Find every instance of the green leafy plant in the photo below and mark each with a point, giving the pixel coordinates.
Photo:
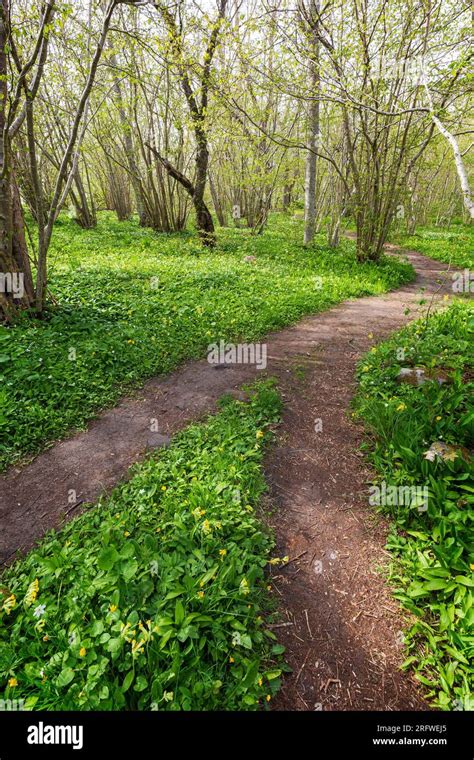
(155, 598)
(423, 435)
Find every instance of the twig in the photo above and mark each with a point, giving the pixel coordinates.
(301, 669)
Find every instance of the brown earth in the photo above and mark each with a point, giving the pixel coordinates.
(340, 625)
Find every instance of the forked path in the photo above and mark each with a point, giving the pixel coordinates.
(340, 625)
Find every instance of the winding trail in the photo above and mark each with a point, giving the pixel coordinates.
(341, 627)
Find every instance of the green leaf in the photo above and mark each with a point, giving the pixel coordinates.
(65, 677)
(178, 612)
(140, 684)
(107, 558)
(127, 681)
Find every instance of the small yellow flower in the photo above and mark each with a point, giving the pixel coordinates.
(259, 434)
(222, 553)
(231, 659)
(365, 368)
(200, 594)
(163, 488)
(206, 526)
(113, 607)
(9, 603)
(268, 697)
(82, 652)
(137, 646)
(438, 418)
(260, 682)
(46, 638)
(131, 342)
(370, 335)
(12, 682)
(32, 593)
(126, 533)
(472, 565)
(401, 407)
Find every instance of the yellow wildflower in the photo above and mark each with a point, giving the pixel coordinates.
(82, 652)
(401, 407)
(200, 594)
(438, 418)
(137, 646)
(231, 659)
(260, 682)
(9, 604)
(12, 682)
(268, 697)
(32, 592)
(222, 553)
(259, 434)
(113, 607)
(163, 488)
(126, 533)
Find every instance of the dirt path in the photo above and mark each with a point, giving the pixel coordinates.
(342, 629)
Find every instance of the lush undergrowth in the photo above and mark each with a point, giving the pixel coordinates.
(131, 303)
(154, 598)
(454, 246)
(434, 546)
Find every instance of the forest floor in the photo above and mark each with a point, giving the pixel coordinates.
(340, 625)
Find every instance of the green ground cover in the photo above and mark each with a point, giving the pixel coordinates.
(155, 599)
(131, 303)
(434, 547)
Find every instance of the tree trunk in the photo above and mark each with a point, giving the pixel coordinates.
(16, 284)
(460, 168)
(313, 126)
(129, 151)
(204, 222)
(216, 203)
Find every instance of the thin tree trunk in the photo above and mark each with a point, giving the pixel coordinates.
(129, 149)
(313, 126)
(460, 168)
